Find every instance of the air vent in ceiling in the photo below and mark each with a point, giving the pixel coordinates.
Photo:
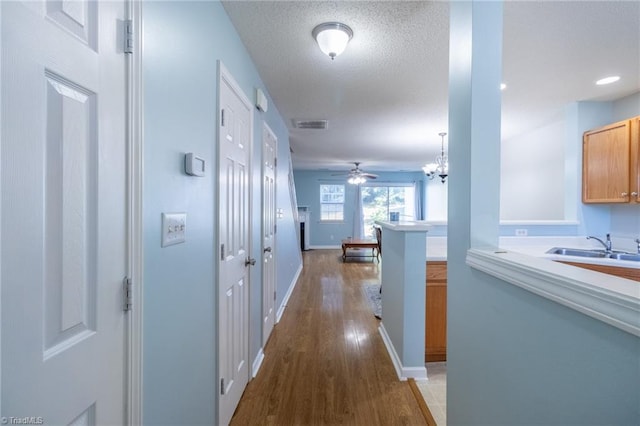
(310, 124)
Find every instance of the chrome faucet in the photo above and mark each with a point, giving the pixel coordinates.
(606, 245)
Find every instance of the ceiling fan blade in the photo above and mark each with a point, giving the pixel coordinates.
(369, 175)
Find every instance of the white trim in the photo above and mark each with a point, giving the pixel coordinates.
(615, 301)
(135, 170)
(1, 145)
(417, 373)
(257, 363)
(287, 295)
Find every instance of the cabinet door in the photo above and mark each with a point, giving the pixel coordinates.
(606, 155)
(634, 181)
(436, 312)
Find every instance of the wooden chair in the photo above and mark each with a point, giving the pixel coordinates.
(378, 231)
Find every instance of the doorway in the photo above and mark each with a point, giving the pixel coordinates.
(269, 162)
(235, 136)
(64, 254)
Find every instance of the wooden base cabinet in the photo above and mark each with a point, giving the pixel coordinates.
(611, 163)
(436, 312)
(628, 273)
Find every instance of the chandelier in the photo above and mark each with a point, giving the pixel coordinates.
(441, 166)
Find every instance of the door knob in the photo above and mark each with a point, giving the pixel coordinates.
(267, 250)
(250, 261)
(624, 194)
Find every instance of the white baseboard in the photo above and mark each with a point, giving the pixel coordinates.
(257, 363)
(324, 247)
(404, 373)
(283, 305)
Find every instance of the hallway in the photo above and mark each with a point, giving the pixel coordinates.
(325, 362)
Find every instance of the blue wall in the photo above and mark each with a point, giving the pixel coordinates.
(182, 43)
(515, 358)
(520, 359)
(308, 194)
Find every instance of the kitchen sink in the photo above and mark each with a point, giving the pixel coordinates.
(625, 256)
(617, 255)
(577, 252)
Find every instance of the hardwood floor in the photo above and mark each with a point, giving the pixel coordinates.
(325, 362)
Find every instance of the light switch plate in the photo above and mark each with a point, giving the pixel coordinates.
(174, 227)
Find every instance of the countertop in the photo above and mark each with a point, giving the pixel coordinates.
(537, 247)
(405, 225)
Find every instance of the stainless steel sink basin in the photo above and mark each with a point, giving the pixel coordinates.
(617, 255)
(577, 252)
(625, 256)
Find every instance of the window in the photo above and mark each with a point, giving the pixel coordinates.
(331, 203)
(379, 201)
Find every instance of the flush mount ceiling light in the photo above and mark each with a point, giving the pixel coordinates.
(608, 80)
(332, 37)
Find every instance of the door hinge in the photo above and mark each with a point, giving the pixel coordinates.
(222, 118)
(274, 295)
(221, 251)
(275, 162)
(275, 228)
(127, 288)
(222, 386)
(128, 36)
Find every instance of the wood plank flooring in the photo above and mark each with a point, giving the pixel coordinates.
(325, 362)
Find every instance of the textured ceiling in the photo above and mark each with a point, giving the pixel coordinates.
(385, 97)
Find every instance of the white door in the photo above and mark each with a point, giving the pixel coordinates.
(63, 212)
(269, 150)
(235, 136)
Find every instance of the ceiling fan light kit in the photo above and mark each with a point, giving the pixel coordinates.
(357, 176)
(441, 165)
(356, 180)
(332, 37)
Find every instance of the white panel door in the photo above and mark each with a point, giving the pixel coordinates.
(63, 212)
(269, 150)
(235, 130)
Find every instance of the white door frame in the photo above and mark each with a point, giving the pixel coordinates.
(135, 255)
(133, 368)
(224, 74)
(1, 218)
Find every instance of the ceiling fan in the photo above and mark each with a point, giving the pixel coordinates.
(357, 175)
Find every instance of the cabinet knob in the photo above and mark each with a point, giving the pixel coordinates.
(624, 194)
(635, 194)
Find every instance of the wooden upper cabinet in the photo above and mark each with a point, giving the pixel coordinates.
(610, 164)
(634, 181)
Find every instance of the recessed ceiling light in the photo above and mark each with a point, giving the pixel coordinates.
(608, 80)
(503, 86)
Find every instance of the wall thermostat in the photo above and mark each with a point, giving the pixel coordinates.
(193, 165)
(262, 103)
